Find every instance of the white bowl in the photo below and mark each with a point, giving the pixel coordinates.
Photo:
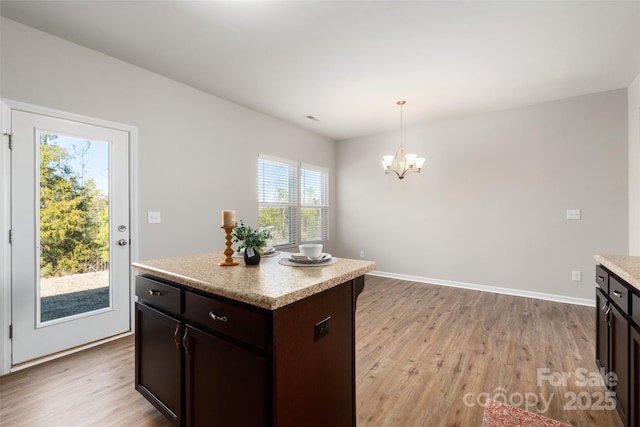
(311, 250)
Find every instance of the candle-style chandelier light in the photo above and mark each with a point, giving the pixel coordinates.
(402, 163)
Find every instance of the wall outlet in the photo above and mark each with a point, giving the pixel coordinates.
(576, 276)
(361, 254)
(153, 217)
(321, 328)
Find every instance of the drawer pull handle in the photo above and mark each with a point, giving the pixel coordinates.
(218, 318)
(601, 278)
(154, 293)
(617, 293)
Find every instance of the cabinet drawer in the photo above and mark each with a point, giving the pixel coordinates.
(602, 278)
(619, 293)
(635, 308)
(158, 294)
(232, 320)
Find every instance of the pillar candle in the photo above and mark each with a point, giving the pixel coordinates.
(228, 218)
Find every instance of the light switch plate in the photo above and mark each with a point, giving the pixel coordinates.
(153, 217)
(573, 213)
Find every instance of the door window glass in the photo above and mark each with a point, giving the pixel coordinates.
(73, 226)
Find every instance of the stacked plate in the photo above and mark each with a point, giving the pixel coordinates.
(269, 250)
(303, 259)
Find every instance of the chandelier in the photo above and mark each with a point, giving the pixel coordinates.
(402, 163)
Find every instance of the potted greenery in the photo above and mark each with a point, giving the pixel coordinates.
(252, 240)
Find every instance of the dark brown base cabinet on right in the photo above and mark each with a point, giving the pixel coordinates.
(618, 341)
(602, 331)
(634, 383)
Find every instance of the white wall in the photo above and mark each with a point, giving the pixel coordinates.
(197, 153)
(490, 207)
(488, 210)
(634, 166)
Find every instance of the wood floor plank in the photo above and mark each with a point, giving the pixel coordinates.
(420, 350)
(90, 388)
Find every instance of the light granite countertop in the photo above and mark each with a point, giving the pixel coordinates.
(626, 267)
(268, 285)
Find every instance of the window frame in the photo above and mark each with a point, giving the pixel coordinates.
(296, 206)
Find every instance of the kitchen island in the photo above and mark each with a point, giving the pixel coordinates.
(266, 345)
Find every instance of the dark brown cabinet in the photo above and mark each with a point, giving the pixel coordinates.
(159, 360)
(617, 341)
(223, 382)
(204, 360)
(619, 360)
(634, 377)
(603, 307)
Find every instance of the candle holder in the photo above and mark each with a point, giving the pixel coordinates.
(228, 261)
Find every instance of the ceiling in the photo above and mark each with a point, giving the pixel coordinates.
(348, 62)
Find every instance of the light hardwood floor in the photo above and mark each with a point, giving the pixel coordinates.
(422, 352)
(421, 349)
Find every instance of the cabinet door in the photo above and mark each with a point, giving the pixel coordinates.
(634, 385)
(226, 385)
(602, 331)
(159, 361)
(619, 359)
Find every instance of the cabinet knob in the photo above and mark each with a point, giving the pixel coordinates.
(617, 293)
(154, 293)
(601, 278)
(218, 318)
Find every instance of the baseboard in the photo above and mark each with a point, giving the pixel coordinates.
(496, 290)
(63, 353)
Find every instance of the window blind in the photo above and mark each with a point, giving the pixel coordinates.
(278, 199)
(314, 206)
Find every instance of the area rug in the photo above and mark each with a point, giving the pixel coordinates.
(498, 414)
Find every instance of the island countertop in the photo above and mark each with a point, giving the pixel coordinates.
(625, 266)
(268, 285)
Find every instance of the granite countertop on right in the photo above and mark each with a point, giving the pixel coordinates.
(625, 266)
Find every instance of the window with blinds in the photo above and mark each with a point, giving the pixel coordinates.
(293, 201)
(314, 203)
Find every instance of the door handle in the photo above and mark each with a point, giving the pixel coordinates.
(122, 242)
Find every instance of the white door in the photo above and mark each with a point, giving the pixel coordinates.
(69, 234)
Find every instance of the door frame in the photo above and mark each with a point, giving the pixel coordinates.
(6, 106)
